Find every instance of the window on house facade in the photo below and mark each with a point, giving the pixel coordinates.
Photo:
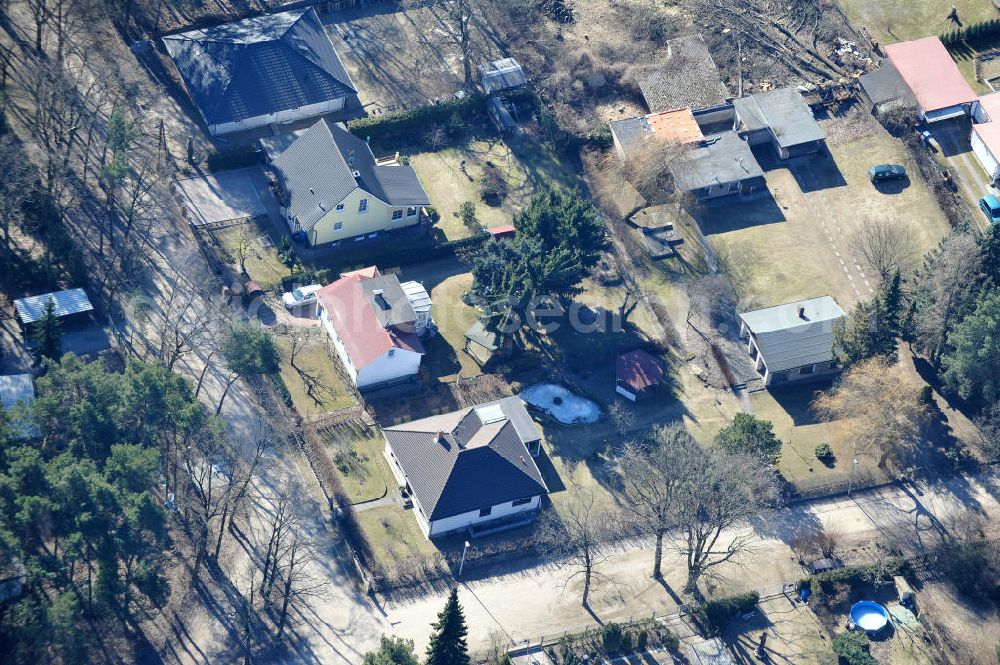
(337, 226)
(808, 369)
(520, 502)
(397, 214)
(340, 207)
(411, 211)
(363, 205)
(485, 512)
(392, 353)
(733, 186)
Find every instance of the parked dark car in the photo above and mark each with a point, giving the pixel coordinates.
(886, 172)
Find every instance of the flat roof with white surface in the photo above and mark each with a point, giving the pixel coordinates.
(67, 303)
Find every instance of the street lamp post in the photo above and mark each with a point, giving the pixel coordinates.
(850, 477)
(462, 565)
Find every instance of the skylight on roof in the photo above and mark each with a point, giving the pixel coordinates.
(492, 413)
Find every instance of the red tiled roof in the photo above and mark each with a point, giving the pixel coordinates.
(354, 320)
(503, 231)
(639, 370)
(990, 135)
(991, 104)
(927, 68)
(676, 125)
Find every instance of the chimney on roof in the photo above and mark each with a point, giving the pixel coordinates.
(802, 311)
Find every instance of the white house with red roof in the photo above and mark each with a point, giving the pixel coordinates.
(933, 77)
(375, 324)
(985, 136)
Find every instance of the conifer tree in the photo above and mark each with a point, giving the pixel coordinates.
(448, 642)
(47, 334)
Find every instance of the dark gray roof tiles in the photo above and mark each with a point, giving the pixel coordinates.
(259, 66)
(886, 85)
(388, 301)
(317, 170)
(473, 464)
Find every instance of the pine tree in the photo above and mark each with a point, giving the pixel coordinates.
(448, 642)
(47, 335)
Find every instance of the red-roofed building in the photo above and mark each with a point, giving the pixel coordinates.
(375, 323)
(985, 140)
(637, 372)
(933, 77)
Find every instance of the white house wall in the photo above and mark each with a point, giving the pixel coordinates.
(281, 117)
(984, 155)
(447, 524)
(401, 364)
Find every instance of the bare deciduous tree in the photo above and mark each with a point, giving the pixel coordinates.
(652, 478)
(577, 538)
(455, 22)
(885, 421)
(720, 493)
(648, 168)
(883, 245)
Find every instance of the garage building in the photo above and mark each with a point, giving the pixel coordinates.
(933, 77)
(782, 118)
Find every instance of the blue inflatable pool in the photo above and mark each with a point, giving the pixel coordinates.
(869, 616)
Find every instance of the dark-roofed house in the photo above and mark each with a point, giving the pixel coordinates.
(722, 165)
(269, 69)
(637, 373)
(780, 117)
(332, 187)
(794, 341)
(685, 77)
(884, 89)
(469, 470)
(375, 323)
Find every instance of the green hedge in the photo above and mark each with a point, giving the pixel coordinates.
(714, 614)
(381, 257)
(237, 158)
(282, 389)
(853, 649)
(455, 114)
(824, 583)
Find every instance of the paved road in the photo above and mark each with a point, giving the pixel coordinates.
(526, 605)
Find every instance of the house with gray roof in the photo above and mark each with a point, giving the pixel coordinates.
(471, 470)
(686, 76)
(720, 165)
(780, 117)
(793, 341)
(331, 186)
(884, 89)
(264, 70)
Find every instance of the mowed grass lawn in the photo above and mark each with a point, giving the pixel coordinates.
(363, 469)
(449, 183)
(890, 21)
(797, 244)
(313, 383)
(394, 535)
(262, 262)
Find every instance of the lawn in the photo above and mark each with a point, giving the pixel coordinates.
(800, 432)
(394, 535)
(452, 175)
(891, 21)
(795, 245)
(361, 466)
(262, 262)
(446, 281)
(313, 383)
